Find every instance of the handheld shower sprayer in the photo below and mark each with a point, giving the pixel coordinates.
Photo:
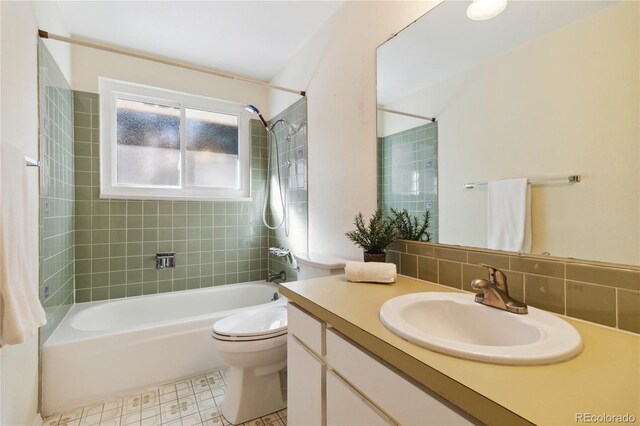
(272, 139)
(253, 109)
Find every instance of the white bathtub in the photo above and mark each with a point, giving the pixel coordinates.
(102, 349)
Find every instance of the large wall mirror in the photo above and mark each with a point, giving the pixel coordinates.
(545, 90)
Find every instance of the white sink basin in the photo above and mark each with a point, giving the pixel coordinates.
(454, 324)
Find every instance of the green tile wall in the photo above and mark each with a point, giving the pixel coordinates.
(56, 192)
(221, 242)
(408, 173)
(292, 143)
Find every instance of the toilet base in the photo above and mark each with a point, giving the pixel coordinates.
(253, 393)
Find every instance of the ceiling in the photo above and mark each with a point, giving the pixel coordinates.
(445, 42)
(249, 38)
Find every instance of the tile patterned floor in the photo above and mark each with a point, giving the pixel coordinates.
(189, 402)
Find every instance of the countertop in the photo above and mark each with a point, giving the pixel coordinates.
(603, 379)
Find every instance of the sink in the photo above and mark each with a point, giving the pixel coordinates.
(454, 324)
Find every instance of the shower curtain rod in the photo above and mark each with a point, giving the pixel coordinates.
(393, 111)
(166, 61)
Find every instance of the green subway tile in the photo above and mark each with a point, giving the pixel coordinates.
(149, 275)
(118, 207)
(117, 291)
(99, 250)
(99, 236)
(150, 207)
(134, 222)
(165, 286)
(544, 293)
(117, 249)
(117, 222)
(150, 288)
(629, 310)
(134, 290)
(536, 266)
(81, 119)
(83, 266)
(117, 263)
(134, 207)
(100, 279)
(101, 293)
(614, 277)
(134, 262)
(591, 302)
(409, 265)
(180, 284)
(450, 273)
(118, 236)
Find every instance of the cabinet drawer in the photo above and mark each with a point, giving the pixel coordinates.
(305, 381)
(308, 329)
(398, 397)
(347, 407)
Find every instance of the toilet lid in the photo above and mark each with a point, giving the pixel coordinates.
(265, 322)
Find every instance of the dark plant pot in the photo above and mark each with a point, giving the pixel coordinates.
(375, 257)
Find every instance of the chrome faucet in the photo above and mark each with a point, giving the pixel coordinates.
(495, 292)
(281, 276)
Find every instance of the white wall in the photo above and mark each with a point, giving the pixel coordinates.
(90, 64)
(337, 68)
(578, 113)
(19, 117)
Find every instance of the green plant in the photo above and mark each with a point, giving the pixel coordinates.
(411, 228)
(375, 237)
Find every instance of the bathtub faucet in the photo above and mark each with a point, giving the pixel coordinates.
(281, 276)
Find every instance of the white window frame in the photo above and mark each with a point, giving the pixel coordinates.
(111, 90)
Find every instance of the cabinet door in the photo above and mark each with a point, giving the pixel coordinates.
(305, 377)
(347, 407)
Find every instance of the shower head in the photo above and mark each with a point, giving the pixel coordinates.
(254, 110)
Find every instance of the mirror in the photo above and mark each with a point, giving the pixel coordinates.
(544, 91)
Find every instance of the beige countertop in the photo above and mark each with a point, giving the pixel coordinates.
(603, 379)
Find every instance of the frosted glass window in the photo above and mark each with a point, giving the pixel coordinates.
(148, 144)
(162, 144)
(211, 149)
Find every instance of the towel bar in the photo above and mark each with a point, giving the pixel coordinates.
(570, 179)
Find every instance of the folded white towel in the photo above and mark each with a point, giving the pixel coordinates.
(371, 272)
(509, 215)
(21, 312)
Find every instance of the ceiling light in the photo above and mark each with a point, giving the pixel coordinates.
(479, 10)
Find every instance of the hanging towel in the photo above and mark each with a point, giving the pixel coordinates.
(509, 215)
(371, 272)
(21, 313)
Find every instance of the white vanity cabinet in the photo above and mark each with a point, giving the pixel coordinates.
(332, 381)
(305, 369)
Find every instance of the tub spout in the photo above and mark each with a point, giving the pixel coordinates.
(282, 276)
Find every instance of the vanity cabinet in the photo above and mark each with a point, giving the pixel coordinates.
(332, 381)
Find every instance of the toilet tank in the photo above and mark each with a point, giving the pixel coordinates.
(313, 265)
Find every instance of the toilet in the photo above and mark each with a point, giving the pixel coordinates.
(314, 265)
(254, 345)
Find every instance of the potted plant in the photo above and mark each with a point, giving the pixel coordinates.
(411, 228)
(375, 237)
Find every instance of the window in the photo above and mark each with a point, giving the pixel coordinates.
(160, 144)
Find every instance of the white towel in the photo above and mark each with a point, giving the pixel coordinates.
(371, 272)
(509, 215)
(21, 313)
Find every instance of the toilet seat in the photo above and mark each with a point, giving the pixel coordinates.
(253, 325)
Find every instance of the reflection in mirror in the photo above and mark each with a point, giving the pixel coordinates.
(544, 91)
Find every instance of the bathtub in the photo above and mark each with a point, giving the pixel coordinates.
(104, 349)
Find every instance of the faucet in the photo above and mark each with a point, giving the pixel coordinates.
(495, 292)
(281, 276)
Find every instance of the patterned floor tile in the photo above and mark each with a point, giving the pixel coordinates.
(195, 401)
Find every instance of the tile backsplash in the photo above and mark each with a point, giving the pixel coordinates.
(606, 294)
(216, 242)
